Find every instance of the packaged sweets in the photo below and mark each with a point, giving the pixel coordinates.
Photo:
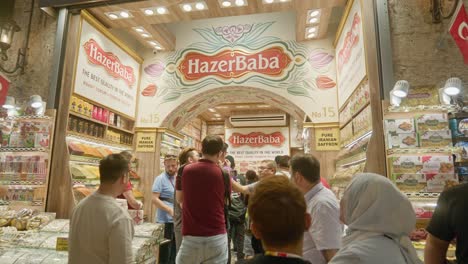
(399, 125)
(439, 182)
(438, 164)
(403, 140)
(410, 182)
(406, 164)
(431, 122)
(436, 139)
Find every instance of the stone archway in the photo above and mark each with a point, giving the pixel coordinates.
(197, 104)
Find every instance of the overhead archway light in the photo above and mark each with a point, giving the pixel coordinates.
(400, 89)
(453, 86)
(119, 15)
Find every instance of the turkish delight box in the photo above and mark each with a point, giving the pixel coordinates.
(403, 140)
(410, 182)
(439, 182)
(438, 164)
(399, 126)
(436, 139)
(432, 122)
(406, 164)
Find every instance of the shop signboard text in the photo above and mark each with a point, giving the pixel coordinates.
(327, 139)
(231, 64)
(249, 146)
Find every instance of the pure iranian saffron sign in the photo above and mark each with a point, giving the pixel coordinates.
(109, 61)
(229, 64)
(257, 139)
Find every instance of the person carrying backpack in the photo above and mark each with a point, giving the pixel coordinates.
(237, 212)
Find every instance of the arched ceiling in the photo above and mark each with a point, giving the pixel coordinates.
(200, 103)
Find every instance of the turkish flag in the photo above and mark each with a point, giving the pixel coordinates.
(459, 30)
(4, 85)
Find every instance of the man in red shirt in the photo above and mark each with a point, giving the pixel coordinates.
(203, 197)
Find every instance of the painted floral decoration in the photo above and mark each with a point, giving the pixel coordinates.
(155, 69)
(319, 58)
(233, 32)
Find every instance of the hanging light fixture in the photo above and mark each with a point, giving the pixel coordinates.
(9, 102)
(401, 89)
(35, 101)
(453, 86)
(8, 28)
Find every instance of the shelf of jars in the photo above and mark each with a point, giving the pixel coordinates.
(25, 160)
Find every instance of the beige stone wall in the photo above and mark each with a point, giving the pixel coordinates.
(423, 53)
(36, 78)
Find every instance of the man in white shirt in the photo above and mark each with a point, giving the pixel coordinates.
(101, 231)
(323, 239)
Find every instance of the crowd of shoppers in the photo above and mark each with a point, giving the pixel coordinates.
(292, 216)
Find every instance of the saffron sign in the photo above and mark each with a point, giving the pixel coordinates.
(249, 146)
(459, 30)
(105, 73)
(230, 64)
(327, 139)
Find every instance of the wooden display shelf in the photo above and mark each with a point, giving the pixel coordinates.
(29, 117)
(354, 115)
(121, 129)
(417, 151)
(98, 140)
(458, 139)
(458, 115)
(170, 144)
(87, 118)
(24, 150)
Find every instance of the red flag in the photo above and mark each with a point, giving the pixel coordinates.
(4, 85)
(459, 30)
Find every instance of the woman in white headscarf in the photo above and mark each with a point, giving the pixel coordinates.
(379, 219)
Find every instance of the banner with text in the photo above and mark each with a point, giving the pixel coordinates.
(145, 142)
(249, 146)
(327, 139)
(105, 73)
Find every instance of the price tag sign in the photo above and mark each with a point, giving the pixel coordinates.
(62, 244)
(145, 142)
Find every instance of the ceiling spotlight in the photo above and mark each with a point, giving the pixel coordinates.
(149, 12)
(314, 13)
(312, 30)
(282, 1)
(35, 101)
(139, 30)
(187, 7)
(145, 35)
(401, 89)
(226, 3)
(199, 6)
(311, 35)
(158, 47)
(9, 102)
(453, 86)
(161, 10)
(113, 16)
(240, 2)
(313, 20)
(124, 14)
(269, 1)
(211, 110)
(153, 43)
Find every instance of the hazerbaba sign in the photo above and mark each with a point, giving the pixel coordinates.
(231, 64)
(257, 139)
(106, 72)
(109, 61)
(249, 146)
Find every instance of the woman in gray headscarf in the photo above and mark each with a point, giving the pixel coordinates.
(379, 219)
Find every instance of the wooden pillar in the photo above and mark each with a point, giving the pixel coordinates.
(327, 158)
(60, 197)
(376, 149)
